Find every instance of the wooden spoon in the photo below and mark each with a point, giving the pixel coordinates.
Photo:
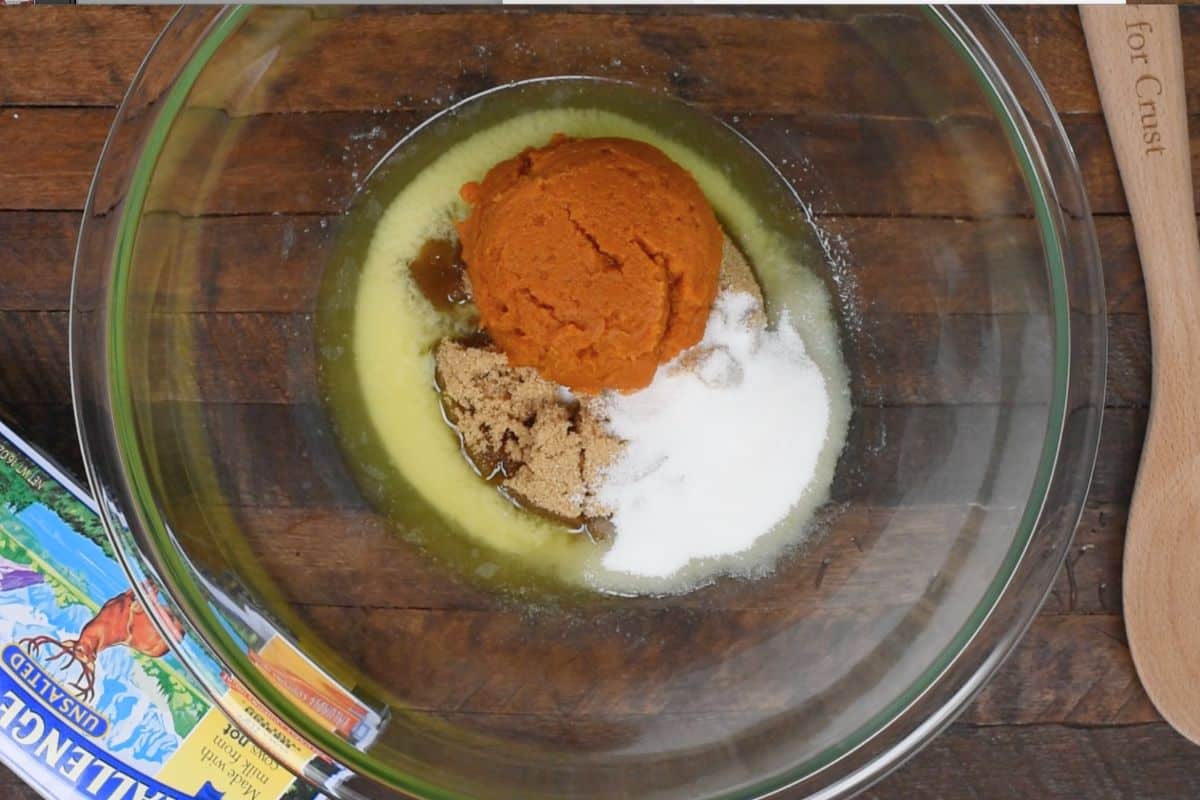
(1137, 57)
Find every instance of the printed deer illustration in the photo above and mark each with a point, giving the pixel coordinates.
(120, 621)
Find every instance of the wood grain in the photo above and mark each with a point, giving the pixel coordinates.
(295, 527)
(1053, 761)
(1137, 54)
(38, 247)
(1072, 669)
(287, 541)
(458, 52)
(904, 359)
(36, 254)
(581, 669)
(300, 467)
(310, 162)
(280, 258)
(48, 156)
(896, 166)
(70, 59)
(13, 788)
(1051, 38)
(292, 535)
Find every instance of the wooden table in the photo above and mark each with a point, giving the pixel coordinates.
(1066, 716)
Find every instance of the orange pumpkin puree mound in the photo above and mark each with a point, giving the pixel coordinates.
(592, 260)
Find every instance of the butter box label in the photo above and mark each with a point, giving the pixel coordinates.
(93, 703)
(49, 741)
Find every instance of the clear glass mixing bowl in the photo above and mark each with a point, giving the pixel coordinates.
(952, 230)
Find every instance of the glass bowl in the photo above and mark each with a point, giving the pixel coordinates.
(949, 223)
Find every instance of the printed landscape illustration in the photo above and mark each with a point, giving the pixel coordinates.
(65, 599)
(121, 621)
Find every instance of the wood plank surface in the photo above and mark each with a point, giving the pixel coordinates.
(49, 153)
(42, 244)
(1064, 718)
(56, 57)
(1051, 38)
(670, 49)
(277, 455)
(898, 166)
(247, 357)
(1139, 762)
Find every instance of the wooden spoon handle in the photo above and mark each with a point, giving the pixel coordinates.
(1138, 60)
(1137, 57)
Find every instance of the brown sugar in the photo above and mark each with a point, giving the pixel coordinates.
(738, 276)
(591, 260)
(520, 430)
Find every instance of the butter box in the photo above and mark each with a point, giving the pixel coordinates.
(93, 703)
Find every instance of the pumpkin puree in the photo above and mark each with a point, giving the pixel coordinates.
(592, 260)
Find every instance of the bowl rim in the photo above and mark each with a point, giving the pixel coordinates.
(131, 516)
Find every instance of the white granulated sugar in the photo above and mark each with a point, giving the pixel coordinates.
(719, 453)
